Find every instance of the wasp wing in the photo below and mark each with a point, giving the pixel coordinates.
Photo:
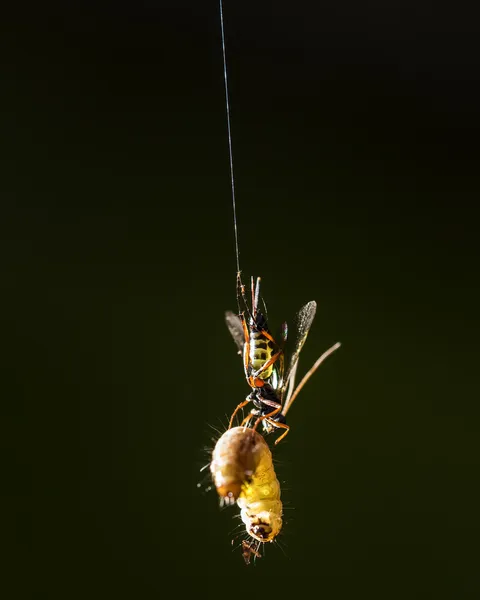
(302, 324)
(234, 324)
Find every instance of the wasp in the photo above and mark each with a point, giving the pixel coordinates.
(242, 471)
(273, 384)
(260, 350)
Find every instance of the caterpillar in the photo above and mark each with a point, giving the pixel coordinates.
(242, 471)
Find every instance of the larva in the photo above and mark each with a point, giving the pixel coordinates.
(242, 471)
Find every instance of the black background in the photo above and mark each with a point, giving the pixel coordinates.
(355, 135)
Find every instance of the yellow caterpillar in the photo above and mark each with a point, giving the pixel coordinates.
(242, 471)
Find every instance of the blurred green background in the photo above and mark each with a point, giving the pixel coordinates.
(355, 133)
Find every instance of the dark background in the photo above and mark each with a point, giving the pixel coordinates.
(355, 133)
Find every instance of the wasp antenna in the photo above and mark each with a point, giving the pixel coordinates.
(307, 376)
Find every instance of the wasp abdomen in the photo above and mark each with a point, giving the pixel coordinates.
(261, 351)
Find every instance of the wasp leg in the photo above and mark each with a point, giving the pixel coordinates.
(253, 413)
(246, 420)
(277, 409)
(269, 337)
(279, 425)
(241, 405)
(246, 349)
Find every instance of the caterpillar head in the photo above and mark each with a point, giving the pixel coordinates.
(265, 527)
(229, 492)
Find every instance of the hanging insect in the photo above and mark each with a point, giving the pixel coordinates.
(273, 387)
(263, 358)
(260, 350)
(241, 466)
(242, 471)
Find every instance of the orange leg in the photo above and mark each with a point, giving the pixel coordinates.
(246, 420)
(275, 411)
(269, 337)
(246, 349)
(241, 405)
(279, 425)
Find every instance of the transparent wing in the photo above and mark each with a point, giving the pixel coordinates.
(302, 324)
(234, 324)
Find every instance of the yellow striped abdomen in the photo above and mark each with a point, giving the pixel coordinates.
(261, 351)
